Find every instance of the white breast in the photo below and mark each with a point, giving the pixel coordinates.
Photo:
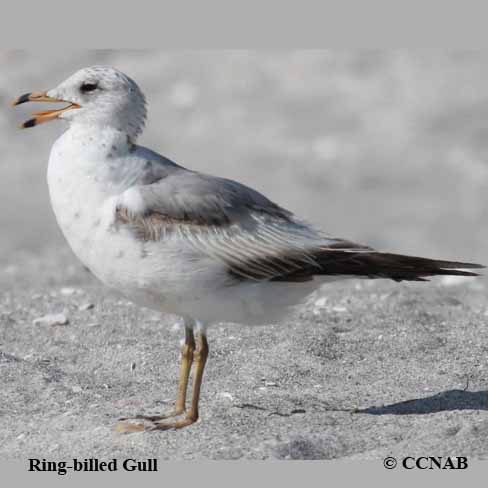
(81, 204)
(162, 275)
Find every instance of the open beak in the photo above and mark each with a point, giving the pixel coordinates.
(41, 117)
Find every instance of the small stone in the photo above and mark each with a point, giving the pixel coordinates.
(320, 303)
(339, 309)
(93, 324)
(52, 319)
(67, 291)
(86, 306)
(77, 389)
(132, 366)
(226, 395)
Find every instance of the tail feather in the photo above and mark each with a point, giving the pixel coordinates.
(397, 267)
(373, 264)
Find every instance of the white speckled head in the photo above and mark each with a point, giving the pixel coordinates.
(106, 96)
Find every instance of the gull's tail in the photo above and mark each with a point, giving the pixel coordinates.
(397, 267)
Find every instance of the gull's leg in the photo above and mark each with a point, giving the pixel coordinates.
(187, 352)
(199, 358)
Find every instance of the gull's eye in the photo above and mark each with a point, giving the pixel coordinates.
(88, 87)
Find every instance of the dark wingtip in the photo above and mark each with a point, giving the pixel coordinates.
(469, 265)
(28, 123)
(22, 99)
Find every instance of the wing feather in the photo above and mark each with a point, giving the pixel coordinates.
(253, 237)
(260, 248)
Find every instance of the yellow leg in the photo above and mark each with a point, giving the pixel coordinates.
(200, 358)
(187, 352)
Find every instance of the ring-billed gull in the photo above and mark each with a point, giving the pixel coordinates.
(175, 240)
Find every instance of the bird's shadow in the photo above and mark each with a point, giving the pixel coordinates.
(444, 401)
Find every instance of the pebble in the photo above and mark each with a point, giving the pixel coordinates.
(132, 366)
(226, 395)
(52, 319)
(77, 389)
(86, 306)
(67, 291)
(320, 303)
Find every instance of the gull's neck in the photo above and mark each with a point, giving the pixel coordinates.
(98, 157)
(95, 141)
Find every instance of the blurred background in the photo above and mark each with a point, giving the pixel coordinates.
(388, 148)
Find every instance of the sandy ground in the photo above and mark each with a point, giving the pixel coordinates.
(384, 148)
(365, 369)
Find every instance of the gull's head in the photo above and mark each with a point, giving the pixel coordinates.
(97, 96)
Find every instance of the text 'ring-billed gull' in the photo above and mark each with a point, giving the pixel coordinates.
(205, 248)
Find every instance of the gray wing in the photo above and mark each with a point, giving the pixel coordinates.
(255, 238)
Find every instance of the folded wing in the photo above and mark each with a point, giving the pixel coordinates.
(255, 238)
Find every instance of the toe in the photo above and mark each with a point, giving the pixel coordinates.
(129, 428)
(179, 424)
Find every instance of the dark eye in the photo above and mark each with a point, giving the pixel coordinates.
(88, 87)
